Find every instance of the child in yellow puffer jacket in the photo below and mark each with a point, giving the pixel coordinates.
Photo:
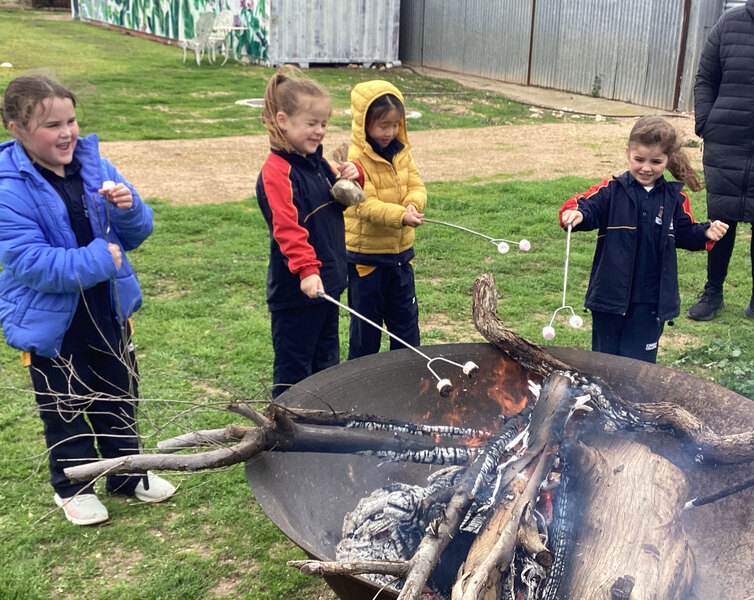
(380, 230)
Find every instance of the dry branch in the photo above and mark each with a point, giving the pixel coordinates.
(395, 568)
(279, 434)
(711, 447)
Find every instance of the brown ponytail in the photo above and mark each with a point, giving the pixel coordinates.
(283, 94)
(654, 130)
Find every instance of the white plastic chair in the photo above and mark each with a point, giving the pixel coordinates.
(200, 42)
(220, 38)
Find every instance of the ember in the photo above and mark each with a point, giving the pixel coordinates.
(546, 506)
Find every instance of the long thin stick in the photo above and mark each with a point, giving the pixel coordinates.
(444, 386)
(568, 253)
(724, 493)
(458, 227)
(329, 298)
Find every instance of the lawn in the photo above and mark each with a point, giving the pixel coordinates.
(134, 89)
(202, 335)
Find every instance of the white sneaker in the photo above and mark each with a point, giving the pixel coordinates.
(159, 489)
(83, 509)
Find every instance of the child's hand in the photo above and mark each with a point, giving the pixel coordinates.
(119, 196)
(412, 218)
(716, 230)
(311, 284)
(116, 254)
(348, 171)
(571, 217)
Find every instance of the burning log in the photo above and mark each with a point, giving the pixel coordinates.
(548, 419)
(546, 423)
(711, 447)
(493, 548)
(627, 524)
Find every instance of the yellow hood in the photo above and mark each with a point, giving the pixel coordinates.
(362, 96)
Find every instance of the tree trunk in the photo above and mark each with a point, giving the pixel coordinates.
(628, 524)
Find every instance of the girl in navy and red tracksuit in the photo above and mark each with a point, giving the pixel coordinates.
(641, 218)
(307, 235)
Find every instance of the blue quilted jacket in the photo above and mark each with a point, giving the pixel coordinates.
(43, 268)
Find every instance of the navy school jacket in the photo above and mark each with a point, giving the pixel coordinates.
(307, 234)
(611, 208)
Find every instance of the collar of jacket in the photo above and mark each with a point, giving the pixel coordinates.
(310, 160)
(627, 180)
(15, 163)
(389, 151)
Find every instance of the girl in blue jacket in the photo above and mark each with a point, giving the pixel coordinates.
(67, 290)
(641, 218)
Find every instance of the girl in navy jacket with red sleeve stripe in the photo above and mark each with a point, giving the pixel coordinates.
(641, 218)
(307, 234)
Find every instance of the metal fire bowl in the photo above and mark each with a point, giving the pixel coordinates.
(307, 494)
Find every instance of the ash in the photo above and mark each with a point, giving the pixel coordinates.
(391, 522)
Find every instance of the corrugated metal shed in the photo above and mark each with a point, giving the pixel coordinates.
(489, 38)
(606, 48)
(268, 32)
(640, 51)
(333, 31)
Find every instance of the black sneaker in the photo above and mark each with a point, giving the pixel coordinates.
(709, 303)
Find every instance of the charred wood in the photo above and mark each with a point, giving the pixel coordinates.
(493, 549)
(280, 434)
(711, 447)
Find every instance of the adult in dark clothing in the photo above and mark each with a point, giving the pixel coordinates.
(724, 107)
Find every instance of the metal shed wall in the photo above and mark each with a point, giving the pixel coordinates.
(333, 31)
(270, 32)
(640, 51)
(616, 49)
(489, 38)
(702, 18)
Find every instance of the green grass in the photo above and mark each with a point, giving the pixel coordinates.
(203, 338)
(135, 89)
(203, 333)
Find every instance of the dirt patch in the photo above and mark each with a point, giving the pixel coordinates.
(225, 169)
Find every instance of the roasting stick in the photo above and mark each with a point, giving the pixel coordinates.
(548, 332)
(502, 245)
(444, 386)
(724, 493)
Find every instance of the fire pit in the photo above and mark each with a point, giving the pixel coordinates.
(308, 494)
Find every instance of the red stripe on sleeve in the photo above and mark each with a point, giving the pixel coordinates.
(687, 206)
(573, 203)
(292, 238)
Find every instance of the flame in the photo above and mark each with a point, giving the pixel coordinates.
(545, 505)
(482, 405)
(503, 382)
